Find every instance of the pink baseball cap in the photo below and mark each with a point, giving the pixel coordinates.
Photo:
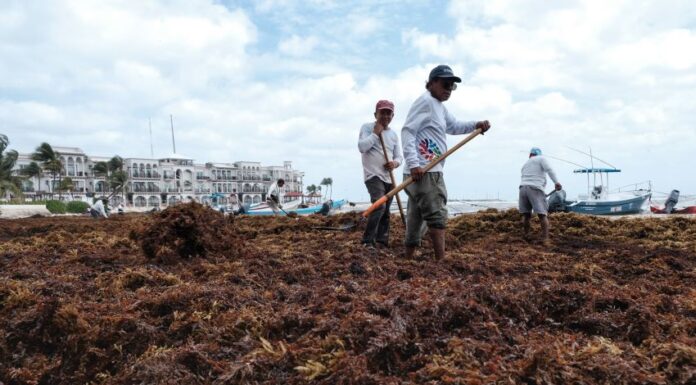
(384, 105)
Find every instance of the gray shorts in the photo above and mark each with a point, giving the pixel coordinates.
(427, 204)
(531, 198)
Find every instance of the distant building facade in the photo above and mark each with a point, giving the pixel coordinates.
(164, 181)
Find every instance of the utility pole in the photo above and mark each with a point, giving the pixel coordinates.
(152, 152)
(171, 121)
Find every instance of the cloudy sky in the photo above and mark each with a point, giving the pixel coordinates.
(275, 80)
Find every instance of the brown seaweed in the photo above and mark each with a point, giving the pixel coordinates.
(138, 299)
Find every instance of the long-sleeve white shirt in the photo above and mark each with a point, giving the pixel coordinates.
(372, 154)
(98, 206)
(424, 133)
(274, 190)
(534, 172)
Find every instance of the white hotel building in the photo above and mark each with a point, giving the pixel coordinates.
(160, 182)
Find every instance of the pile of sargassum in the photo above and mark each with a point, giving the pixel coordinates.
(188, 296)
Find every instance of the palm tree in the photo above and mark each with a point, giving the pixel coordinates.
(311, 190)
(33, 170)
(108, 170)
(8, 182)
(115, 163)
(118, 182)
(102, 169)
(66, 184)
(327, 182)
(50, 161)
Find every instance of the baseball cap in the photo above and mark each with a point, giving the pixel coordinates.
(443, 71)
(535, 151)
(384, 105)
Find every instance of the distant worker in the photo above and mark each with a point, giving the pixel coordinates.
(234, 201)
(326, 208)
(424, 139)
(97, 210)
(532, 192)
(274, 194)
(376, 172)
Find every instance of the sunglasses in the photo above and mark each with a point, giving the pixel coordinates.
(450, 86)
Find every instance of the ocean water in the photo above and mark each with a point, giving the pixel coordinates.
(454, 208)
(459, 207)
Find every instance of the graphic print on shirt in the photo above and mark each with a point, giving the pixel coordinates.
(429, 149)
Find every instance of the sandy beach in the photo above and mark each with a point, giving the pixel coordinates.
(22, 211)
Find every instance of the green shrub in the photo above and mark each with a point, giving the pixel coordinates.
(77, 207)
(56, 207)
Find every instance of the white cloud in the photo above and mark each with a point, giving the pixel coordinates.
(554, 104)
(665, 50)
(298, 46)
(190, 44)
(364, 26)
(429, 44)
(282, 80)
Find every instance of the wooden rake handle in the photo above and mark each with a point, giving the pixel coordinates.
(393, 179)
(409, 180)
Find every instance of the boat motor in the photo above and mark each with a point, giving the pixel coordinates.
(557, 201)
(671, 201)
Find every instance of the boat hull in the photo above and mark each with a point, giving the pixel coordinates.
(304, 211)
(685, 210)
(610, 207)
(264, 206)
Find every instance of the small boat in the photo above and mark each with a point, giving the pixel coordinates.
(602, 202)
(263, 206)
(299, 211)
(610, 205)
(685, 210)
(671, 201)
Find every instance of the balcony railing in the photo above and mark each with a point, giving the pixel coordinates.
(146, 189)
(145, 175)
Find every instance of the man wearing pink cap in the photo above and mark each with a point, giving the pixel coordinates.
(376, 171)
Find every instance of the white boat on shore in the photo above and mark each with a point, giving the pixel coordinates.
(601, 201)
